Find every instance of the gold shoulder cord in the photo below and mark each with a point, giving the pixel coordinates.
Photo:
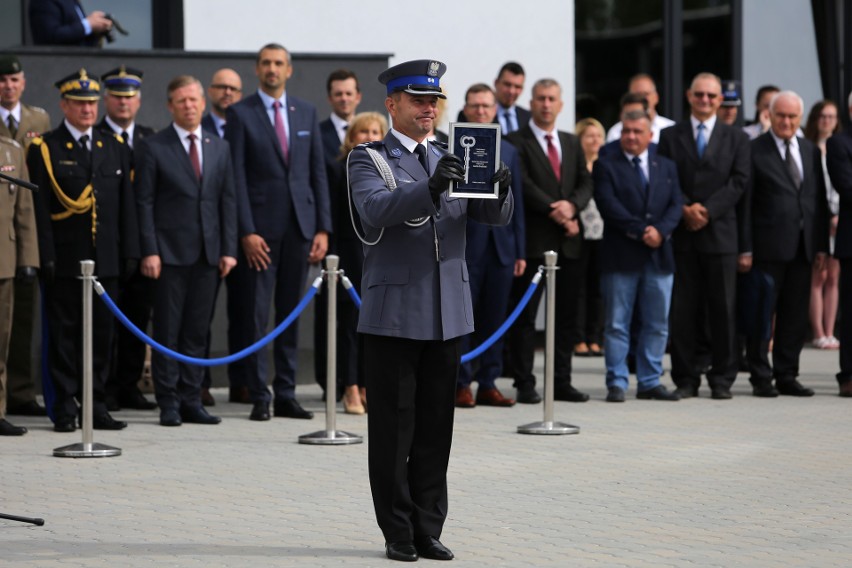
(79, 206)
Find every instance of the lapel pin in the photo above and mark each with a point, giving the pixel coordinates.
(99, 144)
(69, 145)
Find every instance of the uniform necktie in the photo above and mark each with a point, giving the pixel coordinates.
(637, 163)
(83, 141)
(700, 140)
(84, 153)
(420, 150)
(279, 130)
(13, 125)
(125, 137)
(791, 166)
(553, 156)
(193, 156)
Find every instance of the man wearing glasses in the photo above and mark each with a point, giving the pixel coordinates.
(226, 88)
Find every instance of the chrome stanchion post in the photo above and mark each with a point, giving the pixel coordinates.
(87, 449)
(548, 426)
(331, 436)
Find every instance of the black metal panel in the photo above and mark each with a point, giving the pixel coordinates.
(671, 104)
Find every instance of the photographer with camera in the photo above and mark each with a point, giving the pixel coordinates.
(63, 22)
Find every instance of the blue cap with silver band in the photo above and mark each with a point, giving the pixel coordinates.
(420, 77)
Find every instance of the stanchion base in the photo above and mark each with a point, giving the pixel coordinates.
(330, 438)
(82, 450)
(548, 428)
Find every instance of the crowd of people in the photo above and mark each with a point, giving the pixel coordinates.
(723, 236)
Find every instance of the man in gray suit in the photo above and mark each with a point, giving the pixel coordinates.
(416, 306)
(187, 214)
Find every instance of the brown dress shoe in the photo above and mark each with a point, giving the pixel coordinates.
(493, 397)
(464, 398)
(239, 395)
(845, 389)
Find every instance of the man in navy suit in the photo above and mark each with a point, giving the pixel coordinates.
(187, 214)
(495, 255)
(284, 221)
(63, 22)
(226, 88)
(640, 202)
(785, 236)
(508, 86)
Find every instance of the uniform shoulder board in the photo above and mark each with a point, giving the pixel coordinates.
(374, 145)
(439, 144)
(37, 109)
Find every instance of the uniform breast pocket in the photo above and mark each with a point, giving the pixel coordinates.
(71, 171)
(384, 299)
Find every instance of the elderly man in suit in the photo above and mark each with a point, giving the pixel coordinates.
(495, 256)
(225, 89)
(556, 187)
(786, 233)
(284, 220)
(23, 123)
(713, 164)
(839, 161)
(18, 255)
(187, 214)
(640, 202)
(416, 306)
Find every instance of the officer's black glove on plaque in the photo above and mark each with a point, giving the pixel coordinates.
(449, 168)
(504, 177)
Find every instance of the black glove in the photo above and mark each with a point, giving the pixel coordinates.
(449, 168)
(504, 177)
(25, 274)
(48, 271)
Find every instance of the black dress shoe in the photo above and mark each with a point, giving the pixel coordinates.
(170, 417)
(65, 424)
(290, 408)
(207, 398)
(239, 395)
(569, 394)
(793, 388)
(402, 550)
(29, 408)
(7, 429)
(106, 422)
(721, 393)
(528, 395)
(111, 403)
(431, 548)
(614, 394)
(260, 411)
(687, 391)
(133, 398)
(197, 415)
(659, 392)
(763, 390)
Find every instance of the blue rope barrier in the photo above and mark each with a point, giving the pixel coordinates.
(467, 357)
(353, 293)
(220, 360)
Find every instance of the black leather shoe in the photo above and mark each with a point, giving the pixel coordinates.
(720, 393)
(793, 388)
(133, 398)
(659, 392)
(614, 394)
(65, 424)
(239, 395)
(687, 391)
(260, 411)
(528, 395)
(111, 403)
(763, 390)
(569, 394)
(170, 417)
(7, 429)
(207, 398)
(106, 422)
(29, 408)
(198, 416)
(402, 550)
(431, 548)
(290, 408)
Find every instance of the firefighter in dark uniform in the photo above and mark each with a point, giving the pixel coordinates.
(85, 210)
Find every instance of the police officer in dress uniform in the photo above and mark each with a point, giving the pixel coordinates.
(85, 210)
(18, 255)
(122, 99)
(416, 306)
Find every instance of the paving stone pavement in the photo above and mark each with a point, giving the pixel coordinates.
(746, 482)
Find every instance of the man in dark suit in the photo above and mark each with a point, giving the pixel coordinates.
(284, 221)
(416, 306)
(640, 202)
(508, 86)
(63, 22)
(786, 232)
(495, 256)
(122, 99)
(85, 210)
(344, 96)
(629, 102)
(713, 164)
(839, 161)
(226, 88)
(187, 214)
(556, 187)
